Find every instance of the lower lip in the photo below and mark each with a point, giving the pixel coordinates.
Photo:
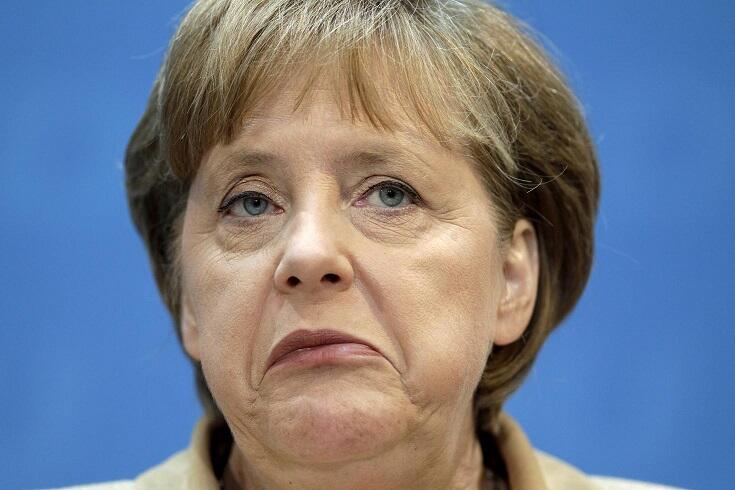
(325, 354)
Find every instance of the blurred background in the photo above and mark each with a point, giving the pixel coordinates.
(638, 381)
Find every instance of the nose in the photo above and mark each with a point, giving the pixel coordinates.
(314, 259)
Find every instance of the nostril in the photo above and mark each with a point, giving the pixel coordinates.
(293, 281)
(331, 278)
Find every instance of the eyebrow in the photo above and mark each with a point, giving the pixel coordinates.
(380, 156)
(250, 158)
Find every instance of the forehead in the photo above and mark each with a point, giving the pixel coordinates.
(326, 101)
(291, 120)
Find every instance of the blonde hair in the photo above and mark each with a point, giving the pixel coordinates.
(464, 70)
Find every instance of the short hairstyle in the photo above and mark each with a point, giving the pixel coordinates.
(463, 70)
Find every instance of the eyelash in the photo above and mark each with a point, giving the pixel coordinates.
(225, 207)
(412, 194)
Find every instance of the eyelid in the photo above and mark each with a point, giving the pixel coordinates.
(230, 201)
(414, 196)
(254, 181)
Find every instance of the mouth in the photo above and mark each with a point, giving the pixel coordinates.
(318, 346)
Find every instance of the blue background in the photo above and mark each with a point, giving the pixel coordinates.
(637, 383)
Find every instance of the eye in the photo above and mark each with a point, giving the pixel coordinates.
(391, 194)
(246, 205)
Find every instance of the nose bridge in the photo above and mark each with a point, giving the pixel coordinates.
(313, 230)
(314, 257)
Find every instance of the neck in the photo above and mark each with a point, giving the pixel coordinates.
(452, 463)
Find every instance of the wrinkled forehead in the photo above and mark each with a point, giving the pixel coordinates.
(326, 101)
(291, 125)
(373, 96)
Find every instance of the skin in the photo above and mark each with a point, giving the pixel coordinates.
(428, 282)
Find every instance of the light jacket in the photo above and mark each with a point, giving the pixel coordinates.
(528, 469)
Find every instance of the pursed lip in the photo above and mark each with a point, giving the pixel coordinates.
(302, 338)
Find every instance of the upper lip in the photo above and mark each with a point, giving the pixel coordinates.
(302, 338)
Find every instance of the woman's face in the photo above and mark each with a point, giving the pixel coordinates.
(384, 236)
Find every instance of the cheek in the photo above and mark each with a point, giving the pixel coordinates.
(227, 295)
(443, 299)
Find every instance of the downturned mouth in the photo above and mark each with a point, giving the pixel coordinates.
(302, 338)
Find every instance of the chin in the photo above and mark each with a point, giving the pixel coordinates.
(327, 426)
